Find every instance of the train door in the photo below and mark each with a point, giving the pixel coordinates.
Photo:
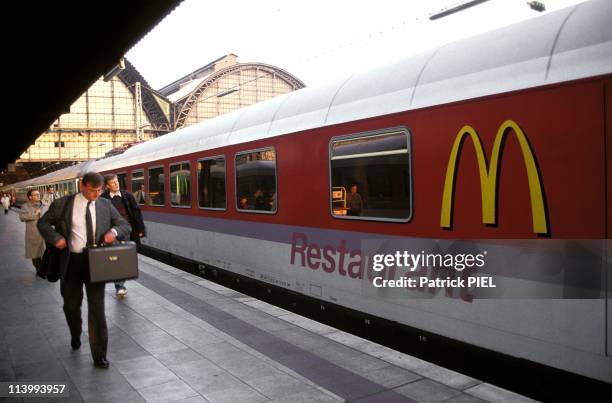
(608, 128)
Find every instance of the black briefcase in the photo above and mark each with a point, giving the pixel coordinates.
(113, 262)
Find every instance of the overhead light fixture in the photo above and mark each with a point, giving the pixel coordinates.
(455, 9)
(536, 5)
(227, 91)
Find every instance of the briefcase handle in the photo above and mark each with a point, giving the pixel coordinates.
(103, 244)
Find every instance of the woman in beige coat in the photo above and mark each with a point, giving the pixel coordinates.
(34, 242)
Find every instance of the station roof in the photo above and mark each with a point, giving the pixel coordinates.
(56, 50)
(151, 105)
(186, 89)
(198, 74)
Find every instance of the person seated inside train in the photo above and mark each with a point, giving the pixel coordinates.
(243, 203)
(260, 203)
(353, 202)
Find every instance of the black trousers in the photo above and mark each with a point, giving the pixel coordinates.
(77, 275)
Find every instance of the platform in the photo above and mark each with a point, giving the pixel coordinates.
(178, 337)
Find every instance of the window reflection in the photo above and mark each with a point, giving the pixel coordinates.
(371, 176)
(256, 181)
(211, 183)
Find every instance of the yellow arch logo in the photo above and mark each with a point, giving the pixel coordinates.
(488, 177)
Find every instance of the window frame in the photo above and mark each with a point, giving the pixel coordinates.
(275, 180)
(170, 183)
(144, 182)
(224, 180)
(373, 133)
(126, 180)
(148, 186)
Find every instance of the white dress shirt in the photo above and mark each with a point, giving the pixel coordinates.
(78, 240)
(113, 194)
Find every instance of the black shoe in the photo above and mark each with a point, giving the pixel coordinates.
(75, 343)
(101, 362)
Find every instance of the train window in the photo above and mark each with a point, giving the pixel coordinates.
(180, 185)
(211, 183)
(138, 187)
(370, 176)
(122, 180)
(71, 188)
(156, 186)
(256, 181)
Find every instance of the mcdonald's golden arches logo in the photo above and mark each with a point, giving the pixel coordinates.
(488, 177)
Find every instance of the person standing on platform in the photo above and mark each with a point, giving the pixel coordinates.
(6, 203)
(126, 204)
(71, 224)
(49, 197)
(34, 242)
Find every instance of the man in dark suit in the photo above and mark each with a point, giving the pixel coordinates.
(71, 224)
(126, 204)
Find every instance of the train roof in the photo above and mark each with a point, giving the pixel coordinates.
(71, 172)
(569, 44)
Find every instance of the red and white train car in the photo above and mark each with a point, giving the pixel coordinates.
(506, 135)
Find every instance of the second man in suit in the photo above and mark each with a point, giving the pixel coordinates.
(126, 204)
(73, 223)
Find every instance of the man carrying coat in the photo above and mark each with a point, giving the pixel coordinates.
(71, 224)
(126, 204)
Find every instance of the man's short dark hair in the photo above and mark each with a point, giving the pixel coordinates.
(30, 192)
(93, 179)
(108, 178)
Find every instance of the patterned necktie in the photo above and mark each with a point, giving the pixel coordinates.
(89, 226)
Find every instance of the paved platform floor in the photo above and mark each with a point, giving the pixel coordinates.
(177, 337)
